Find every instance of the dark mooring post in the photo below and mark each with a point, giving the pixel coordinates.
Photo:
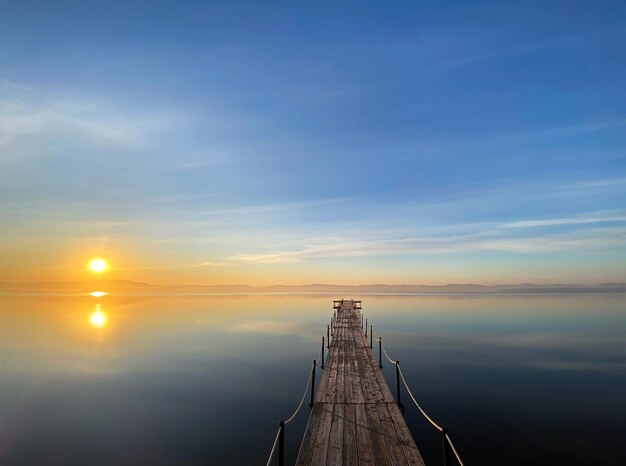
(398, 399)
(371, 332)
(365, 328)
(447, 454)
(380, 352)
(332, 327)
(313, 384)
(323, 344)
(281, 443)
(328, 336)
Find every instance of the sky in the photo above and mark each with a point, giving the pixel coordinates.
(318, 142)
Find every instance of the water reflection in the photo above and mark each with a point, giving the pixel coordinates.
(516, 377)
(98, 318)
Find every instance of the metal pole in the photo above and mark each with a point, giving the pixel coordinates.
(328, 336)
(380, 352)
(371, 332)
(398, 399)
(447, 454)
(313, 384)
(323, 352)
(281, 443)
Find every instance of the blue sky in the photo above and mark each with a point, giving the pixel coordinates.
(347, 142)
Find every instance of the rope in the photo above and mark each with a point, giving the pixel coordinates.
(386, 355)
(306, 390)
(435, 425)
(269, 461)
(454, 450)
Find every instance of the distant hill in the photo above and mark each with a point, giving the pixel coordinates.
(128, 286)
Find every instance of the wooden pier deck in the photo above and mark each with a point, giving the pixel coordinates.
(355, 419)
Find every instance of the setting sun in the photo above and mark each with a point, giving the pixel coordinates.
(98, 265)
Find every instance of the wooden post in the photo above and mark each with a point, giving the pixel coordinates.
(323, 352)
(398, 399)
(447, 454)
(380, 352)
(365, 328)
(332, 327)
(281, 443)
(328, 336)
(313, 384)
(371, 332)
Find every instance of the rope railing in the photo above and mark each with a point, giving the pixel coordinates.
(434, 424)
(456, 453)
(306, 389)
(447, 441)
(392, 361)
(280, 434)
(310, 385)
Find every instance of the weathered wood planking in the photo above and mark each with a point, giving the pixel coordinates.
(355, 419)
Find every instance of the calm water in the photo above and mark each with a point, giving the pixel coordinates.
(205, 380)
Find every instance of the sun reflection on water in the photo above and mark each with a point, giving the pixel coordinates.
(98, 318)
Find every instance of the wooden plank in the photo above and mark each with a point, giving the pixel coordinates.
(357, 390)
(376, 436)
(335, 447)
(350, 454)
(321, 440)
(390, 435)
(364, 443)
(409, 448)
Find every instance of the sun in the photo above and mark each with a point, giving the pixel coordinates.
(98, 265)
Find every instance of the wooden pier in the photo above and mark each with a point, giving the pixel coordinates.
(355, 419)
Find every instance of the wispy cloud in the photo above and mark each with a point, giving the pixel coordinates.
(563, 221)
(274, 207)
(209, 264)
(485, 241)
(60, 120)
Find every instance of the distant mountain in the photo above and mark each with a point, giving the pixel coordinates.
(129, 286)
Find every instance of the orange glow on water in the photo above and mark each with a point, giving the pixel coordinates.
(98, 318)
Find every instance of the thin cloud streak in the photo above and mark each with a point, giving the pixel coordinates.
(562, 221)
(266, 208)
(601, 238)
(209, 264)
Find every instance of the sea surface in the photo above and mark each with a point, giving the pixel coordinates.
(176, 380)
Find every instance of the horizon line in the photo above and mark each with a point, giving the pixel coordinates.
(120, 280)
